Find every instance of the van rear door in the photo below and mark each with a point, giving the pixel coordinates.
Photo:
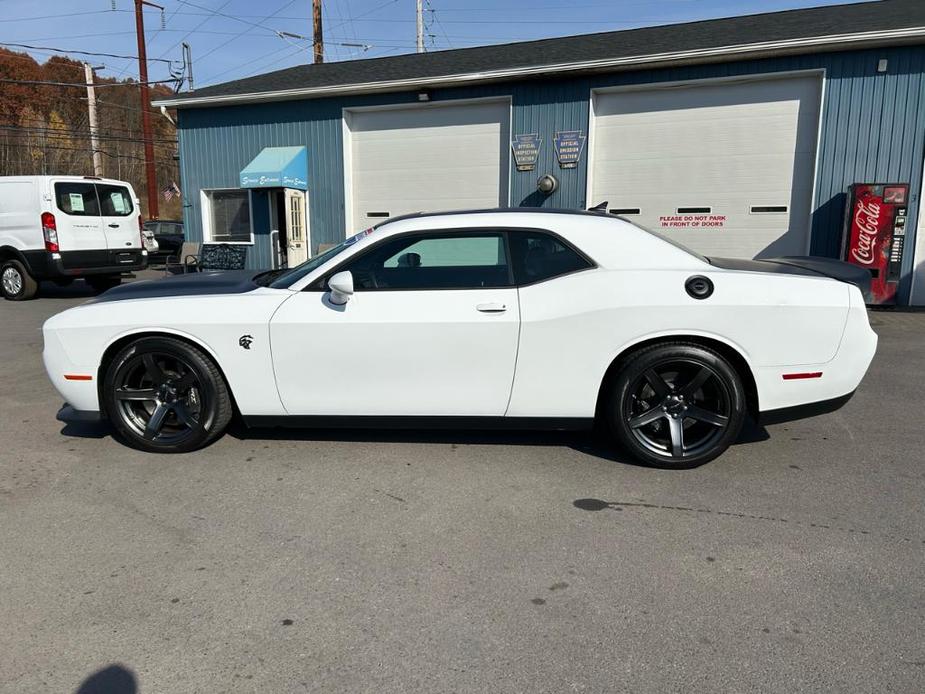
(120, 218)
(77, 216)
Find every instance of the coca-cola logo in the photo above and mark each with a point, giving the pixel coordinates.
(867, 221)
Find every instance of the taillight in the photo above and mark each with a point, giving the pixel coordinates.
(141, 230)
(50, 232)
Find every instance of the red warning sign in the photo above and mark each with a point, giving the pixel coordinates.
(692, 221)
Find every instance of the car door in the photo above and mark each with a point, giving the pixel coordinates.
(77, 216)
(431, 329)
(119, 217)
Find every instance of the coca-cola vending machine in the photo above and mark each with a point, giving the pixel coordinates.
(875, 235)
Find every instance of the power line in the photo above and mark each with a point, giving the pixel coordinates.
(77, 52)
(83, 84)
(246, 31)
(195, 28)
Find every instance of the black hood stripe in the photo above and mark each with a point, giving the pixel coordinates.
(193, 284)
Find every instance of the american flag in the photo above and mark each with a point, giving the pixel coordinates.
(170, 190)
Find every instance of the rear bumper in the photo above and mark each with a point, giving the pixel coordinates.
(812, 409)
(838, 379)
(45, 265)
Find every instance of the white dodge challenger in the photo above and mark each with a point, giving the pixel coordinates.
(504, 318)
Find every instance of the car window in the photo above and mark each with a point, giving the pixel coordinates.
(537, 256)
(77, 199)
(439, 261)
(115, 201)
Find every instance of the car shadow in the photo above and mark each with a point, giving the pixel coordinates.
(594, 443)
(75, 290)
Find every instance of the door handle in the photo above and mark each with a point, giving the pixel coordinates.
(491, 308)
(113, 226)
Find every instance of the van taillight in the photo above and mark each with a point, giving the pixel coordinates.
(141, 230)
(50, 232)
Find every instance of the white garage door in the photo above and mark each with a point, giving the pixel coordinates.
(427, 159)
(725, 168)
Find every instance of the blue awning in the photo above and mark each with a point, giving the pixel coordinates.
(277, 167)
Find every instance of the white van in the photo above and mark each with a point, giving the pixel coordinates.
(63, 227)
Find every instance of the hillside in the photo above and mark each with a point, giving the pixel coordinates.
(44, 129)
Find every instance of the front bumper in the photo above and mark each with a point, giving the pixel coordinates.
(69, 415)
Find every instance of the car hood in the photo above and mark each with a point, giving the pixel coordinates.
(192, 284)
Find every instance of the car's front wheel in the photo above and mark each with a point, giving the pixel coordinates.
(676, 405)
(164, 395)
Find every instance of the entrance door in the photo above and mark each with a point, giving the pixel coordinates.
(430, 330)
(297, 236)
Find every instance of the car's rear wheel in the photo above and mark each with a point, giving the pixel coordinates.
(15, 281)
(676, 405)
(164, 395)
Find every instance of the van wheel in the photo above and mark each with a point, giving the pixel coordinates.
(16, 282)
(100, 283)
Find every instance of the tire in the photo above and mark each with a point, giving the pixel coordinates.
(164, 395)
(15, 281)
(101, 283)
(676, 405)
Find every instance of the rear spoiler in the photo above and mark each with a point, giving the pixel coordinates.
(804, 265)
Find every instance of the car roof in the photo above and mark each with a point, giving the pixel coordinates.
(495, 210)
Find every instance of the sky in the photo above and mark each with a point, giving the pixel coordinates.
(231, 39)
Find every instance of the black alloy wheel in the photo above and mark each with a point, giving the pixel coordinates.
(164, 395)
(677, 405)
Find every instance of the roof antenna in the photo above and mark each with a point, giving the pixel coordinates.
(602, 207)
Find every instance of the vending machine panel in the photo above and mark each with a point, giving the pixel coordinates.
(875, 235)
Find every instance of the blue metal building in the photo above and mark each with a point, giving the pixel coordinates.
(740, 136)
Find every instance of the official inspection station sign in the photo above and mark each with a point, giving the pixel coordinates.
(526, 150)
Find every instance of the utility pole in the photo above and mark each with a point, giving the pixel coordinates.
(188, 61)
(94, 126)
(318, 42)
(420, 16)
(150, 173)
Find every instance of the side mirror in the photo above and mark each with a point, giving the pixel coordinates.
(341, 286)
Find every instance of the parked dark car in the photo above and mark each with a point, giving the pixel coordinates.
(169, 236)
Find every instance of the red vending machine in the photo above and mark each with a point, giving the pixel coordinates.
(875, 234)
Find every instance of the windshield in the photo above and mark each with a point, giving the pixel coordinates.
(283, 279)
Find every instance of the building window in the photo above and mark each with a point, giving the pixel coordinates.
(229, 216)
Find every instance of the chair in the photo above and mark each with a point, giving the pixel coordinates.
(185, 260)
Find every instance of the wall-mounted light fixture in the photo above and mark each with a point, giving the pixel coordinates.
(423, 95)
(882, 65)
(547, 184)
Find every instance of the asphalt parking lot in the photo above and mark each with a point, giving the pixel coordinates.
(278, 561)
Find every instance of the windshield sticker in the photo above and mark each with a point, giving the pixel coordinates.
(118, 202)
(357, 237)
(77, 202)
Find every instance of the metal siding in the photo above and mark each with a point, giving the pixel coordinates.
(873, 127)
